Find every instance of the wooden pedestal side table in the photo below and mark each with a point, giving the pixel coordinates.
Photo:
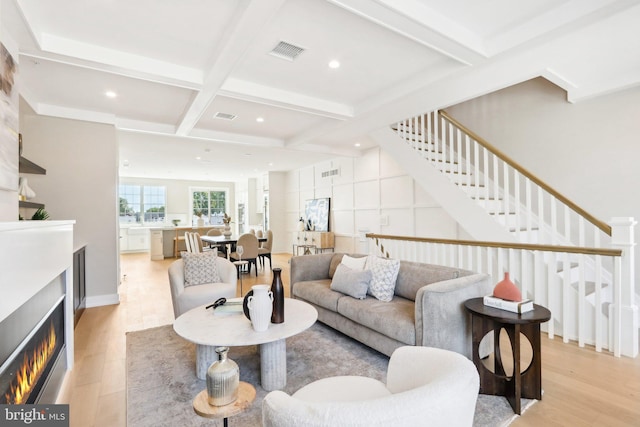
(246, 396)
(523, 383)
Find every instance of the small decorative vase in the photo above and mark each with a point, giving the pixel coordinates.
(200, 222)
(223, 379)
(507, 290)
(24, 189)
(277, 316)
(227, 231)
(260, 307)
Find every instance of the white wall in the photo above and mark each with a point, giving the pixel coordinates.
(371, 194)
(81, 184)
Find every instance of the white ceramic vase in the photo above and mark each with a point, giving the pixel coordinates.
(24, 189)
(260, 305)
(227, 231)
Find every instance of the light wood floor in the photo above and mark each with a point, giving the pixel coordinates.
(581, 387)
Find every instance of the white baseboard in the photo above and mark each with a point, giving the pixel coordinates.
(101, 300)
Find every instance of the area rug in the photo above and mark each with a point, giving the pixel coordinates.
(161, 380)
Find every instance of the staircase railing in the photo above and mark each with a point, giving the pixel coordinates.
(573, 317)
(536, 214)
(533, 210)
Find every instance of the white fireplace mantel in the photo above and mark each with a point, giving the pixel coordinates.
(33, 254)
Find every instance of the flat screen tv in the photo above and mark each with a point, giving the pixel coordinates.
(317, 213)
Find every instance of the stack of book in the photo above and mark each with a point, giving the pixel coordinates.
(512, 306)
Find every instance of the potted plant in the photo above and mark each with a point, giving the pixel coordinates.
(40, 214)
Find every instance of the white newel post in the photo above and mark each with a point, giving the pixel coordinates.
(622, 237)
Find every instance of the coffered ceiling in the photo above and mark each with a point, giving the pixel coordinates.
(175, 65)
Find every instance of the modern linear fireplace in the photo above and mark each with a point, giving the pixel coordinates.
(36, 311)
(25, 375)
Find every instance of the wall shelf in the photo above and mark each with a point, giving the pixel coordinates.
(33, 205)
(27, 166)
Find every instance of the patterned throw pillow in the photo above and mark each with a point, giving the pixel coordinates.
(385, 273)
(200, 268)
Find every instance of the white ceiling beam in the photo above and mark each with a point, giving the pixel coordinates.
(154, 77)
(120, 60)
(73, 113)
(416, 21)
(235, 138)
(254, 92)
(256, 14)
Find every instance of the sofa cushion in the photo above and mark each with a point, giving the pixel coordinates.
(351, 282)
(318, 292)
(337, 259)
(385, 273)
(414, 275)
(394, 319)
(354, 263)
(200, 268)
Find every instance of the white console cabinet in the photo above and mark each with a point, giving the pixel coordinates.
(318, 241)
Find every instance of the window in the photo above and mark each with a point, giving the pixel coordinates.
(141, 203)
(209, 205)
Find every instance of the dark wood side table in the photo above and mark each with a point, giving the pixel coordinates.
(246, 396)
(527, 384)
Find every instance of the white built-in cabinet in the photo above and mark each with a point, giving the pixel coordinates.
(156, 245)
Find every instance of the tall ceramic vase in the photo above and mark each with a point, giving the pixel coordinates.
(260, 306)
(223, 379)
(278, 297)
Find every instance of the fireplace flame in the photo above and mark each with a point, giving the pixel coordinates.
(31, 369)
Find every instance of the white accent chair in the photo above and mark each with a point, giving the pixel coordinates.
(184, 299)
(426, 386)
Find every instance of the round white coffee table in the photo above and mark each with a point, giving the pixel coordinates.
(209, 329)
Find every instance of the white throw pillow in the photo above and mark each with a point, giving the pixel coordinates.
(200, 268)
(385, 273)
(351, 282)
(354, 263)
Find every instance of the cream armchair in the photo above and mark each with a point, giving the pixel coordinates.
(426, 386)
(184, 299)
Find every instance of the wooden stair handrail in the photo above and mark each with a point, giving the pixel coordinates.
(606, 228)
(503, 245)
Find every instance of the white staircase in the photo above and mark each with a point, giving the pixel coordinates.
(580, 287)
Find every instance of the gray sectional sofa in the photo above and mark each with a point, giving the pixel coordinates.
(427, 308)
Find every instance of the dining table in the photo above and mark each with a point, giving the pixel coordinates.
(230, 241)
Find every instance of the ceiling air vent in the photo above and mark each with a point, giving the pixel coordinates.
(286, 51)
(330, 173)
(225, 116)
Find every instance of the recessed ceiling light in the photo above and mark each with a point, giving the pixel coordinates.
(260, 119)
(110, 94)
(357, 144)
(198, 158)
(334, 64)
(270, 163)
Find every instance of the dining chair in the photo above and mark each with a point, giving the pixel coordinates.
(249, 243)
(192, 242)
(265, 250)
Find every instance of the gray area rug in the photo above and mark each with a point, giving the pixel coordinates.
(161, 380)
